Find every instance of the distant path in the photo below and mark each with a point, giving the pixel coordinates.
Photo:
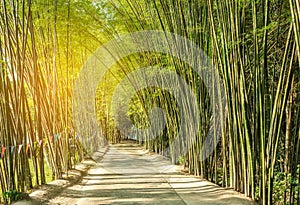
(129, 175)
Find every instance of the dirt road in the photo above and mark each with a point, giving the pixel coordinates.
(129, 175)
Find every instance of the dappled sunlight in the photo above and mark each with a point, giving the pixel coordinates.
(125, 176)
(131, 101)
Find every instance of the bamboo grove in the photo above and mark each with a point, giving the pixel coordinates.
(38, 142)
(254, 46)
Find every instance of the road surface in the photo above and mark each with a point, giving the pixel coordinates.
(127, 174)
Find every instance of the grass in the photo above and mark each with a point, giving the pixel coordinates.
(48, 172)
(48, 175)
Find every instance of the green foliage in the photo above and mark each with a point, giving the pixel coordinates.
(11, 195)
(48, 172)
(181, 160)
(253, 44)
(279, 184)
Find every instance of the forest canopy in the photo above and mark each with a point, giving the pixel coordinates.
(254, 47)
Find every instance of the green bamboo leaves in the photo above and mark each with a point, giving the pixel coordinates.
(34, 133)
(256, 49)
(254, 45)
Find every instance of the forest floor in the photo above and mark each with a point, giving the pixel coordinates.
(127, 174)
